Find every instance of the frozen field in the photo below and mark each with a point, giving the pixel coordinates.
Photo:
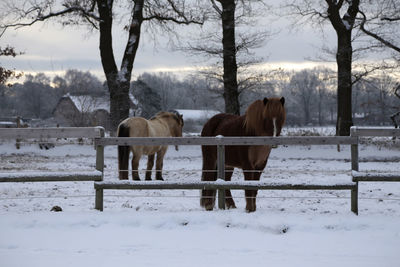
(168, 228)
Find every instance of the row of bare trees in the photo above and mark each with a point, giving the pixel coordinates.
(362, 28)
(310, 94)
(38, 95)
(369, 19)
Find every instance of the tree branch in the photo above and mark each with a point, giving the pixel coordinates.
(88, 14)
(175, 14)
(175, 20)
(375, 36)
(215, 6)
(397, 89)
(391, 19)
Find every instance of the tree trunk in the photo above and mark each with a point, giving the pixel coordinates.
(231, 93)
(344, 60)
(343, 27)
(118, 81)
(119, 102)
(320, 98)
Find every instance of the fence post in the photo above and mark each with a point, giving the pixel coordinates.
(221, 174)
(354, 167)
(100, 167)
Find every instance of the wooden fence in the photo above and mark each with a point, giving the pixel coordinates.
(53, 133)
(221, 185)
(97, 133)
(366, 176)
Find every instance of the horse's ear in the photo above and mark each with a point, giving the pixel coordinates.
(282, 100)
(265, 100)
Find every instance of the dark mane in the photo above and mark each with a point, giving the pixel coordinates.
(169, 114)
(259, 111)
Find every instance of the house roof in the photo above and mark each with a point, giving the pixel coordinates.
(88, 103)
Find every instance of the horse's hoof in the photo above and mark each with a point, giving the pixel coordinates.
(136, 178)
(159, 178)
(249, 210)
(209, 208)
(148, 179)
(230, 206)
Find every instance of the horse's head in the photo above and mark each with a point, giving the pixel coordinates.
(175, 123)
(266, 117)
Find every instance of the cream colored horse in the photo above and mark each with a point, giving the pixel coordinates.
(163, 124)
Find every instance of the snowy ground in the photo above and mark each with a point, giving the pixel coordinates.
(168, 228)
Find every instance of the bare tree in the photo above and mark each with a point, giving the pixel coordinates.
(396, 115)
(100, 15)
(303, 87)
(342, 16)
(230, 49)
(382, 24)
(6, 74)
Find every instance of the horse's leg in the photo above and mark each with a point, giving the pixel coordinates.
(209, 173)
(135, 166)
(123, 162)
(230, 204)
(254, 175)
(159, 163)
(150, 164)
(250, 195)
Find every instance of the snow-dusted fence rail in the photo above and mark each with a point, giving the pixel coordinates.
(221, 185)
(367, 176)
(51, 133)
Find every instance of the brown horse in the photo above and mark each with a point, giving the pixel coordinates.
(263, 118)
(163, 124)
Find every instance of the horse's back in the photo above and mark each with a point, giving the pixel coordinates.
(223, 124)
(140, 127)
(137, 126)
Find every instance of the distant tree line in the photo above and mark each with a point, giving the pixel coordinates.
(310, 95)
(38, 95)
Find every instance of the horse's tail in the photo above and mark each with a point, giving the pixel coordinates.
(123, 153)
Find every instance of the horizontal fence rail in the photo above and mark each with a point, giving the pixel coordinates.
(374, 131)
(227, 141)
(375, 177)
(219, 184)
(51, 176)
(45, 133)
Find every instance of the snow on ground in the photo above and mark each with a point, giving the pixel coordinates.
(168, 228)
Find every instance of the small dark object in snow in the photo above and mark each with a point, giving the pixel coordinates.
(46, 146)
(284, 230)
(56, 209)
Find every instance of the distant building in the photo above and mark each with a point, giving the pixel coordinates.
(86, 110)
(194, 119)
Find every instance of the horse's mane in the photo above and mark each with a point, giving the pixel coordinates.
(167, 114)
(161, 114)
(258, 111)
(254, 116)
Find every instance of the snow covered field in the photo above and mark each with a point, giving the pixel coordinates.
(168, 228)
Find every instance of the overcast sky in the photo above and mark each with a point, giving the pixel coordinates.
(50, 48)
